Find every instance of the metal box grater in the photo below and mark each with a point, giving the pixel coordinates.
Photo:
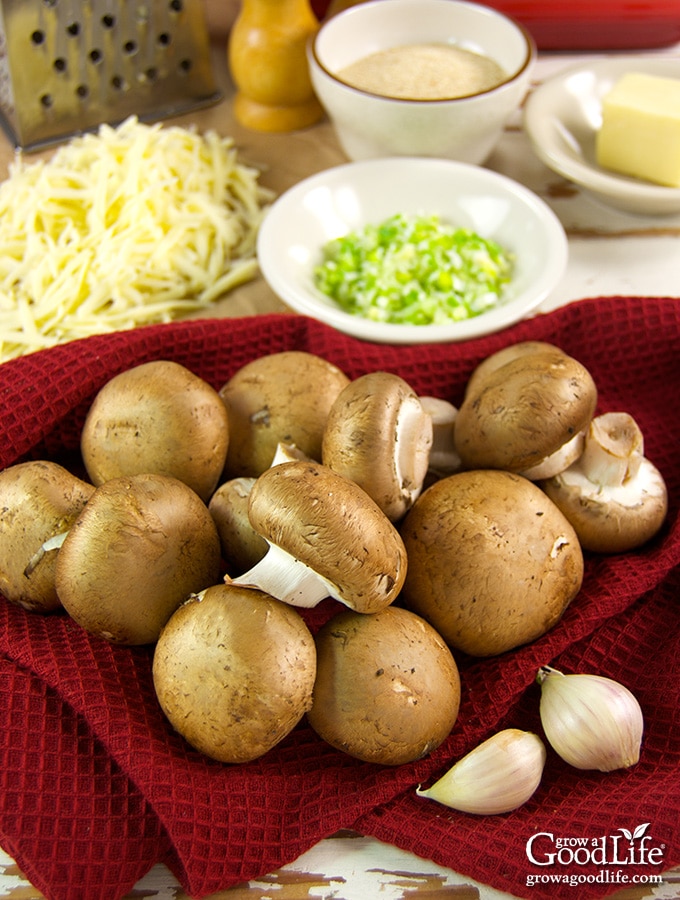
(67, 66)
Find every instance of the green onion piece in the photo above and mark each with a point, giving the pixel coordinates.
(414, 270)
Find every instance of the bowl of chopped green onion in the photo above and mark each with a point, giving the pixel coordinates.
(411, 250)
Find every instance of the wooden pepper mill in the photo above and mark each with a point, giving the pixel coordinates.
(267, 54)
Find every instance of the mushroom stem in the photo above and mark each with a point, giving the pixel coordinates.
(53, 543)
(286, 578)
(558, 461)
(615, 498)
(614, 448)
(287, 453)
(413, 439)
(444, 458)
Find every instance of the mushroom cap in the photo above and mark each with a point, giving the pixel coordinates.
(330, 524)
(611, 519)
(279, 398)
(492, 562)
(495, 360)
(157, 417)
(387, 688)
(233, 671)
(139, 548)
(39, 500)
(379, 436)
(242, 546)
(524, 411)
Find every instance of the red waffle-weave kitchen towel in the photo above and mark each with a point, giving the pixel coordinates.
(96, 787)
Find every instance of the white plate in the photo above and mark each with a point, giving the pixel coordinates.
(346, 197)
(562, 117)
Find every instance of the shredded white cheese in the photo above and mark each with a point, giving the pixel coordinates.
(132, 225)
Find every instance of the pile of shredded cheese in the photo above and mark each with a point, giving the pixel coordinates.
(132, 225)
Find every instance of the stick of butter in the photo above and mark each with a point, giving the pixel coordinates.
(640, 131)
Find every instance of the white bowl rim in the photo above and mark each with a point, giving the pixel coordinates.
(590, 176)
(531, 52)
(496, 319)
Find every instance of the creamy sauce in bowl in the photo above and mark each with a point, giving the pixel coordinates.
(424, 72)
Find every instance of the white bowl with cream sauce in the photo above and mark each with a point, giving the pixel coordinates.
(433, 78)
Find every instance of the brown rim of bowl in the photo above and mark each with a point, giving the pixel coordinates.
(530, 56)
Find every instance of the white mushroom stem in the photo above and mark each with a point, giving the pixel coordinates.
(288, 579)
(53, 543)
(412, 447)
(614, 449)
(647, 484)
(615, 497)
(287, 453)
(558, 461)
(444, 458)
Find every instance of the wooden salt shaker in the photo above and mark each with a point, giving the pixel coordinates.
(268, 62)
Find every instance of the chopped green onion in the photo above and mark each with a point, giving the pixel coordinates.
(414, 270)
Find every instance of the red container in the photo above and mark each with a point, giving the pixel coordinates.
(589, 24)
(596, 24)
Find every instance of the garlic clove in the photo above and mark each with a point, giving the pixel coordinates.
(592, 722)
(496, 777)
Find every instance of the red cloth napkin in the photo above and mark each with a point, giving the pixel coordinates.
(96, 787)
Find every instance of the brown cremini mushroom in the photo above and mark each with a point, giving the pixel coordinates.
(233, 671)
(492, 562)
(279, 398)
(139, 548)
(157, 417)
(615, 498)
(495, 360)
(379, 436)
(242, 546)
(327, 538)
(528, 415)
(387, 688)
(39, 501)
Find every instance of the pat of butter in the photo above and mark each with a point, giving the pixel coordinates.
(640, 132)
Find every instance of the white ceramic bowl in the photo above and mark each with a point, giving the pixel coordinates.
(370, 125)
(562, 118)
(347, 197)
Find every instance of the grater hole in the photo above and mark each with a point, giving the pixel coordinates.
(185, 66)
(82, 92)
(118, 83)
(176, 5)
(95, 56)
(130, 47)
(151, 74)
(59, 64)
(38, 38)
(164, 39)
(73, 29)
(46, 100)
(108, 21)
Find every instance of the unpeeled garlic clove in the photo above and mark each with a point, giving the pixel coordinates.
(496, 777)
(592, 722)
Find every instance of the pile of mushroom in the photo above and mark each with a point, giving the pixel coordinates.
(215, 517)
(530, 409)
